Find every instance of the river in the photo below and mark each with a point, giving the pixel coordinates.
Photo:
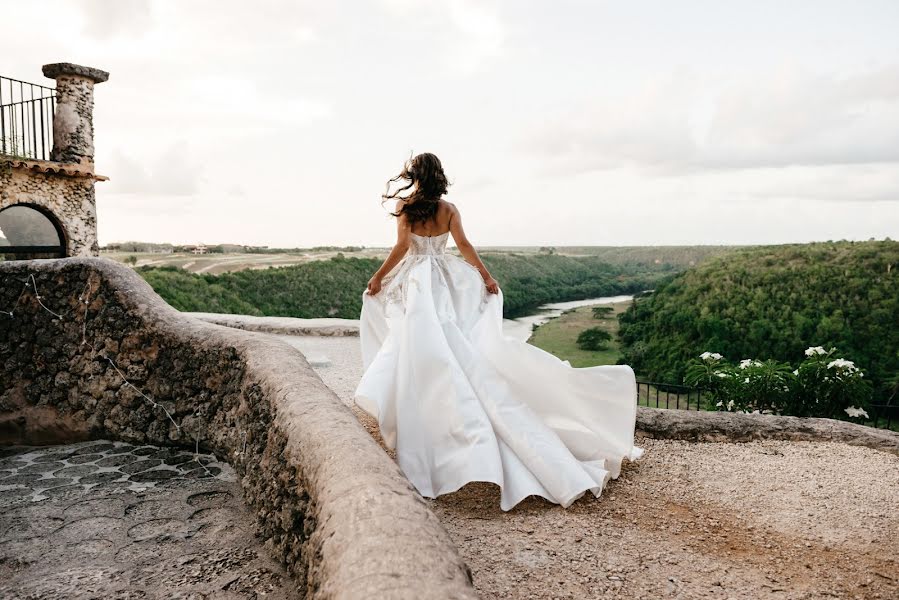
(522, 327)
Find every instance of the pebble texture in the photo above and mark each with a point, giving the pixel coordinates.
(331, 506)
(113, 520)
(760, 520)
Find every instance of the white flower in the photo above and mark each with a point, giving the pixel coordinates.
(710, 356)
(716, 356)
(854, 412)
(705, 355)
(730, 405)
(841, 363)
(720, 403)
(746, 380)
(814, 350)
(720, 374)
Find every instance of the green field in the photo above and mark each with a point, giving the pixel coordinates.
(559, 336)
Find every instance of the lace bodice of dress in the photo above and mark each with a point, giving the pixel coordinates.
(434, 245)
(425, 249)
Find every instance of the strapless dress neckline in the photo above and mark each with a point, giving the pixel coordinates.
(430, 236)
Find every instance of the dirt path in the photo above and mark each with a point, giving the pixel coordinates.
(690, 520)
(756, 520)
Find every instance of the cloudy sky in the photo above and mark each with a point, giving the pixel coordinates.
(570, 122)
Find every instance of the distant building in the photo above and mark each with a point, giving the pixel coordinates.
(199, 249)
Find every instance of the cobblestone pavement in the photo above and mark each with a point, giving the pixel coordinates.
(114, 521)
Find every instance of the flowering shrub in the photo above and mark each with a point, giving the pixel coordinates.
(829, 386)
(822, 385)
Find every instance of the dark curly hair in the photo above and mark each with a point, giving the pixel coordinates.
(425, 177)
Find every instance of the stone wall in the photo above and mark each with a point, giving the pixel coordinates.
(330, 504)
(68, 197)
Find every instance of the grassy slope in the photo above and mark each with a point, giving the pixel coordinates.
(559, 336)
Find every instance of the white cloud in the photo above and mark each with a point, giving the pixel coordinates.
(105, 19)
(655, 122)
(172, 172)
(681, 123)
(471, 33)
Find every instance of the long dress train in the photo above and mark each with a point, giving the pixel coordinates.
(460, 402)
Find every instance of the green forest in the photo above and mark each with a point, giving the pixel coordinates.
(773, 302)
(333, 288)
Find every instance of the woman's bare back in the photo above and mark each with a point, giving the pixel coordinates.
(439, 225)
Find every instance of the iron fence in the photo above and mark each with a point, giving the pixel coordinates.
(884, 415)
(652, 394)
(26, 119)
(668, 395)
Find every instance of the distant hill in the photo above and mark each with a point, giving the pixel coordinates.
(333, 288)
(223, 258)
(773, 302)
(678, 256)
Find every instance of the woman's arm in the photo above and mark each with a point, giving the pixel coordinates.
(467, 250)
(403, 240)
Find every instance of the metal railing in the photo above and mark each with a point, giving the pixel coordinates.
(884, 415)
(652, 394)
(668, 395)
(26, 119)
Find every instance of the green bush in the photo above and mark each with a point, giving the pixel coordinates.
(771, 303)
(821, 386)
(593, 339)
(602, 312)
(828, 386)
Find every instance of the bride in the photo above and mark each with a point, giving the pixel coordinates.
(459, 401)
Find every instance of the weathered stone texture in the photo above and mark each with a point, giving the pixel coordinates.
(703, 426)
(56, 69)
(330, 503)
(73, 122)
(69, 199)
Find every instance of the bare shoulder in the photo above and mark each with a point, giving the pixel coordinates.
(449, 207)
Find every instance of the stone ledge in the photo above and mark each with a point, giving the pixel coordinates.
(707, 426)
(54, 70)
(282, 325)
(331, 504)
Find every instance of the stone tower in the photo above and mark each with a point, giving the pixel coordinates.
(47, 201)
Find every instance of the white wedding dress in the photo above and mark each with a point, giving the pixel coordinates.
(460, 402)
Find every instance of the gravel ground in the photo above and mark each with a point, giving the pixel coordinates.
(768, 519)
